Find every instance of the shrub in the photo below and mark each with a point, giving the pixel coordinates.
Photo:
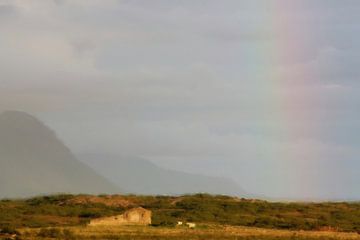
(89, 214)
(68, 234)
(56, 233)
(9, 230)
(50, 233)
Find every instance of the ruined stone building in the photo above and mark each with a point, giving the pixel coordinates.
(136, 216)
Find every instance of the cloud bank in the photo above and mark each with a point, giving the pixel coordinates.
(260, 91)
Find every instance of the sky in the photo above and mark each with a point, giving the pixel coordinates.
(265, 92)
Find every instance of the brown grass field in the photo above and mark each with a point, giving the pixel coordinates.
(216, 217)
(201, 232)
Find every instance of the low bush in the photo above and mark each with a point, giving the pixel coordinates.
(50, 233)
(9, 230)
(56, 233)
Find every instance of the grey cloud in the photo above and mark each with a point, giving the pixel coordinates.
(201, 82)
(60, 2)
(7, 10)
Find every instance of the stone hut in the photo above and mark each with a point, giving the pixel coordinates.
(134, 216)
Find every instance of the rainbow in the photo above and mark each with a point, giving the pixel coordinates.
(290, 102)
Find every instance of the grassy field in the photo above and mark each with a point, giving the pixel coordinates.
(244, 218)
(203, 232)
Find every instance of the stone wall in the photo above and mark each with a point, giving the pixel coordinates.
(137, 216)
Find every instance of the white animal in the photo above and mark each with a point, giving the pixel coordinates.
(179, 223)
(191, 225)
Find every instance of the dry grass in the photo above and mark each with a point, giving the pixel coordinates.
(203, 232)
(107, 200)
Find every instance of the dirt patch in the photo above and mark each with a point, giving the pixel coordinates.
(176, 200)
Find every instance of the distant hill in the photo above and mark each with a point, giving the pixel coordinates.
(141, 176)
(34, 161)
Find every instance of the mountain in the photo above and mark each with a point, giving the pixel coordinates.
(34, 161)
(141, 176)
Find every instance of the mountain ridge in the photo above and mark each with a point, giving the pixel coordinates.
(34, 161)
(148, 178)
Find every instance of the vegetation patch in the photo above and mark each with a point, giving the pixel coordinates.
(67, 210)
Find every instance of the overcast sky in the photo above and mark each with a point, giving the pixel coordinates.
(264, 92)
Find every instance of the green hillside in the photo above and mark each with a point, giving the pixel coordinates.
(71, 210)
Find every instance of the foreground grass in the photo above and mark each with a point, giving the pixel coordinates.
(175, 233)
(217, 217)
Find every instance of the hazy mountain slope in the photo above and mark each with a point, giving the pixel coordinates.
(143, 177)
(34, 161)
